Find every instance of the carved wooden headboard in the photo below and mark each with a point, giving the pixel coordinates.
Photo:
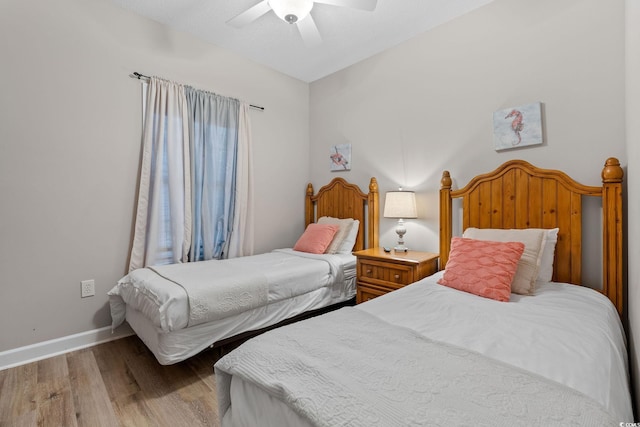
(519, 195)
(340, 199)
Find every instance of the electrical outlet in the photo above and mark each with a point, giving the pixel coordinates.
(87, 288)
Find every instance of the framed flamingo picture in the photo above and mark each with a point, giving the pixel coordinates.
(517, 126)
(340, 157)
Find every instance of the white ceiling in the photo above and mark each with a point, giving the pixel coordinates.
(348, 35)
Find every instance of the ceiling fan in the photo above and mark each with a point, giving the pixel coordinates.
(297, 12)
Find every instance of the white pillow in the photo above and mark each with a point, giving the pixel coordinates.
(529, 264)
(545, 274)
(345, 238)
(346, 247)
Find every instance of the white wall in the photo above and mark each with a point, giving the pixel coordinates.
(633, 186)
(426, 105)
(70, 147)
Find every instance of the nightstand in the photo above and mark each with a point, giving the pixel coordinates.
(379, 272)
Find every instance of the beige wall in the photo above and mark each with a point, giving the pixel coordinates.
(70, 147)
(427, 104)
(633, 185)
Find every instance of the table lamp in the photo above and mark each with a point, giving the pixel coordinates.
(402, 205)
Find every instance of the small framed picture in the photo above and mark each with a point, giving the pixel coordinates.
(517, 126)
(340, 157)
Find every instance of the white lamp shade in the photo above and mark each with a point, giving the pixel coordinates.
(400, 204)
(291, 11)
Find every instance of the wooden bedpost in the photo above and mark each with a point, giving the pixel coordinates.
(446, 226)
(308, 207)
(612, 284)
(374, 213)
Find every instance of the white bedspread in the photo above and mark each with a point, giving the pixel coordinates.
(565, 333)
(349, 368)
(216, 289)
(167, 305)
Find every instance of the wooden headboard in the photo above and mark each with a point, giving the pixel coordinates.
(340, 199)
(519, 195)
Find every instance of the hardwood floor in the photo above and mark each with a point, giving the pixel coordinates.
(119, 383)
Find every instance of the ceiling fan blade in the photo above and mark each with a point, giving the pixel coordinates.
(250, 14)
(309, 31)
(369, 5)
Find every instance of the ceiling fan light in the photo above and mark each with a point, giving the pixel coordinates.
(291, 11)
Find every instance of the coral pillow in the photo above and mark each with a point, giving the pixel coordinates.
(482, 267)
(534, 242)
(316, 238)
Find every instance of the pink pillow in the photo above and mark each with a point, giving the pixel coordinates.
(482, 267)
(316, 238)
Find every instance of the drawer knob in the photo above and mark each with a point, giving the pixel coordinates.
(397, 276)
(369, 271)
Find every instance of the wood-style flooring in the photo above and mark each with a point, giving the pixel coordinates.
(119, 383)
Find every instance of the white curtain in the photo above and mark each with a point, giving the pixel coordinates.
(162, 227)
(196, 192)
(241, 241)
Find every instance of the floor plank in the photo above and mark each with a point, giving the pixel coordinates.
(161, 390)
(132, 411)
(119, 383)
(111, 360)
(18, 394)
(54, 398)
(92, 403)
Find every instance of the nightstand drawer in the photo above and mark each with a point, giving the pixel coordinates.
(381, 272)
(368, 292)
(378, 272)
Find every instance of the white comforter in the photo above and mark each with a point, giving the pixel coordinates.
(335, 372)
(570, 334)
(215, 289)
(565, 333)
(163, 296)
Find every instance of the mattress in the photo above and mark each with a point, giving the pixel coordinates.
(173, 347)
(565, 333)
(298, 283)
(288, 273)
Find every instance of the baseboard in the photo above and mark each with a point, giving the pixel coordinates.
(43, 350)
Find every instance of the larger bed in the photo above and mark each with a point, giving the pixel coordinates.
(179, 310)
(430, 354)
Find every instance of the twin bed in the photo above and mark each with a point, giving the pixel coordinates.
(179, 310)
(431, 354)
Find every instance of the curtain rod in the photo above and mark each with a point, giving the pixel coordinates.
(139, 76)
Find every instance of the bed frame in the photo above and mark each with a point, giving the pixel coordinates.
(340, 199)
(519, 195)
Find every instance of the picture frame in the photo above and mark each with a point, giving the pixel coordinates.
(516, 127)
(340, 157)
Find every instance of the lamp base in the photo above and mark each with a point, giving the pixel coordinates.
(401, 230)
